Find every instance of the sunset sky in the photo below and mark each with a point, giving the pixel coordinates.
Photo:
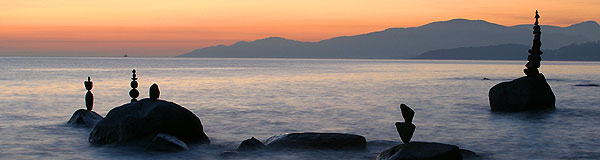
(169, 28)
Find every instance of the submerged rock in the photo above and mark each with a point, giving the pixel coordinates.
(421, 151)
(166, 142)
(311, 140)
(85, 118)
(522, 94)
(140, 122)
(250, 145)
(587, 85)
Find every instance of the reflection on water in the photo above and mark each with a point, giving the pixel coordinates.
(241, 98)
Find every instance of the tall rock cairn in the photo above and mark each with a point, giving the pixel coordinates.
(406, 128)
(134, 93)
(89, 97)
(534, 57)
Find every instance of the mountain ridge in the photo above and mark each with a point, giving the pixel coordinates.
(405, 42)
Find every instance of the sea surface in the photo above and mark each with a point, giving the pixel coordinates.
(237, 99)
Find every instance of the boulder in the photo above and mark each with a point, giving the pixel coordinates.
(522, 94)
(421, 151)
(310, 140)
(250, 145)
(140, 122)
(85, 118)
(166, 142)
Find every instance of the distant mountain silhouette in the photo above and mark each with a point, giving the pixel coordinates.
(405, 42)
(589, 51)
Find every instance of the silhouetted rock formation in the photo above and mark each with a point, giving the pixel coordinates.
(535, 53)
(139, 122)
(417, 150)
(166, 142)
(522, 94)
(134, 93)
(310, 140)
(421, 150)
(154, 92)
(406, 128)
(86, 117)
(531, 92)
(89, 97)
(250, 145)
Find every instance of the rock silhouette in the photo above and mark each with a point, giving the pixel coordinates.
(531, 92)
(86, 117)
(133, 93)
(89, 97)
(166, 142)
(154, 92)
(312, 140)
(417, 150)
(138, 123)
(250, 145)
(406, 128)
(421, 150)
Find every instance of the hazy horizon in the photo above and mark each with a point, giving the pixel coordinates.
(155, 28)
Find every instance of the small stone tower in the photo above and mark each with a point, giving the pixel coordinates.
(406, 128)
(134, 93)
(89, 97)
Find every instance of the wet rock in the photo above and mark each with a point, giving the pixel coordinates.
(405, 130)
(421, 151)
(166, 142)
(467, 154)
(522, 94)
(250, 145)
(139, 122)
(587, 85)
(311, 140)
(85, 118)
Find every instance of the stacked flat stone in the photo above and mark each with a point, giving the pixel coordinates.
(535, 53)
(406, 128)
(89, 97)
(134, 93)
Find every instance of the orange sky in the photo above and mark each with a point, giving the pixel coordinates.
(168, 28)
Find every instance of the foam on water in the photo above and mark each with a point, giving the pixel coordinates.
(241, 98)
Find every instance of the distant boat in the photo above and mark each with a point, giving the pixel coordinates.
(125, 55)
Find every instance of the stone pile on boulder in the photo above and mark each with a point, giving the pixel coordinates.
(417, 150)
(531, 92)
(145, 121)
(86, 117)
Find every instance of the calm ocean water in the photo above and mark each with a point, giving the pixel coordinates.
(241, 98)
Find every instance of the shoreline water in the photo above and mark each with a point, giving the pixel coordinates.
(240, 98)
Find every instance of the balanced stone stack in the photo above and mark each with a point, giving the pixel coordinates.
(86, 117)
(417, 150)
(151, 123)
(535, 53)
(134, 93)
(530, 92)
(406, 128)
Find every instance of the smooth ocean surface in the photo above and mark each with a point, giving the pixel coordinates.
(241, 98)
